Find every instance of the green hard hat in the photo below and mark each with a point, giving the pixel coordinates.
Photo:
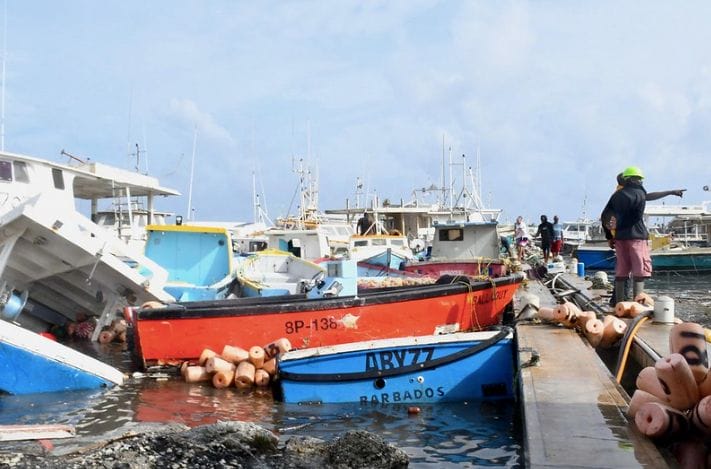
(632, 171)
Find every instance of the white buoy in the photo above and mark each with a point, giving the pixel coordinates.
(664, 310)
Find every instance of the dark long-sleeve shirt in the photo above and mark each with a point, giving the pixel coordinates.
(627, 206)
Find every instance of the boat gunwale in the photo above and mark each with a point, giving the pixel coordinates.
(299, 303)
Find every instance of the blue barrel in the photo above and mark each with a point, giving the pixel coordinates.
(581, 269)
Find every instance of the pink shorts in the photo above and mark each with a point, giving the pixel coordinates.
(632, 257)
(556, 245)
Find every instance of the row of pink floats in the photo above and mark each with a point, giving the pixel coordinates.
(603, 332)
(672, 402)
(236, 366)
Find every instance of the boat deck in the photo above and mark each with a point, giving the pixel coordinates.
(574, 411)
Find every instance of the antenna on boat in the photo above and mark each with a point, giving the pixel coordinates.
(192, 173)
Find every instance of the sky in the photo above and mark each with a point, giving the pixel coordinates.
(554, 97)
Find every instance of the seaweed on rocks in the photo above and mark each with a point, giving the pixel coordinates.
(223, 445)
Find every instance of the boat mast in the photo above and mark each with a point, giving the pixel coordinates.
(192, 173)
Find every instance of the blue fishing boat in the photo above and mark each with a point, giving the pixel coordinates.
(31, 363)
(595, 257)
(436, 368)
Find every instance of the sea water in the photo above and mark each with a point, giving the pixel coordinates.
(474, 434)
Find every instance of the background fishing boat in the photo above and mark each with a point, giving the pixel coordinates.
(272, 273)
(440, 368)
(181, 331)
(471, 248)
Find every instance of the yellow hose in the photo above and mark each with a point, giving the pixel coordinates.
(707, 334)
(628, 345)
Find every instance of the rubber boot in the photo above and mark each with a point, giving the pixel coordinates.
(620, 290)
(637, 287)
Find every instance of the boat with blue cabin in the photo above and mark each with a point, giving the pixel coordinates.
(426, 369)
(199, 260)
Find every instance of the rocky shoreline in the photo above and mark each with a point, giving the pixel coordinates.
(222, 444)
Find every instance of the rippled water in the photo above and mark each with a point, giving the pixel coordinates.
(441, 435)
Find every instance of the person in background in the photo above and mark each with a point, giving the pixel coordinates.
(557, 243)
(521, 236)
(545, 231)
(363, 224)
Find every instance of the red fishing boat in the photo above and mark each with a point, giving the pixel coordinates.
(181, 331)
(462, 248)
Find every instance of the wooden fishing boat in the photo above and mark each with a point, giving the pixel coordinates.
(435, 368)
(181, 331)
(31, 363)
(462, 248)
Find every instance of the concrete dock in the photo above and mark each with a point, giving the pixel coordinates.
(574, 411)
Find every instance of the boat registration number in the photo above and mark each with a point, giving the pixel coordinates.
(294, 327)
(393, 359)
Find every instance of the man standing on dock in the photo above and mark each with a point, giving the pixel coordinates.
(630, 237)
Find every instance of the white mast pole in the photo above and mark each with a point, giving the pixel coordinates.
(192, 172)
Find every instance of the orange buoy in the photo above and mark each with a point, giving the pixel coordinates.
(118, 326)
(244, 378)
(196, 374)
(678, 381)
(270, 366)
(689, 340)
(657, 420)
(107, 336)
(636, 309)
(583, 318)
(234, 354)
(593, 331)
(565, 315)
(648, 381)
(644, 299)
(223, 379)
(546, 314)
(261, 377)
(612, 329)
(206, 353)
(215, 364)
(639, 398)
(256, 356)
(281, 345)
(413, 410)
(122, 337)
(622, 309)
(701, 415)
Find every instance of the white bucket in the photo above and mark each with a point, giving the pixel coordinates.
(573, 266)
(664, 310)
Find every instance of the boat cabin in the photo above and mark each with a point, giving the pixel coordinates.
(467, 240)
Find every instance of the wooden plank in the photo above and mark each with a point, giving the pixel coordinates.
(574, 411)
(35, 432)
